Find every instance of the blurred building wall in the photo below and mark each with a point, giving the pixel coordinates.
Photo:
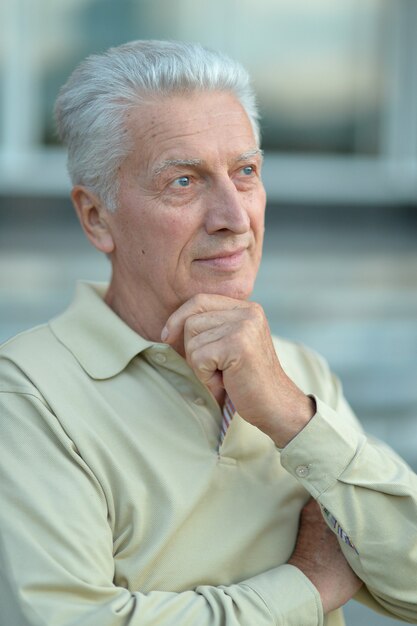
(337, 85)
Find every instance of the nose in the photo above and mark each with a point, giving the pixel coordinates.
(226, 208)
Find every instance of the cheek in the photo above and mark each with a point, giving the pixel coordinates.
(173, 232)
(165, 244)
(256, 211)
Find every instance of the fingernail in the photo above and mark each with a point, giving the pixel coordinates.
(164, 334)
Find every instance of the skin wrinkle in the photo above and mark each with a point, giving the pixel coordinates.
(168, 163)
(159, 233)
(166, 134)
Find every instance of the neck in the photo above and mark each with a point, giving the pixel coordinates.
(149, 326)
(145, 319)
(125, 305)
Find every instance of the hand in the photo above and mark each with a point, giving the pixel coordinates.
(228, 344)
(318, 555)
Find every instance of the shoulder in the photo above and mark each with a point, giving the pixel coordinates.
(296, 355)
(25, 354)
(23, 341)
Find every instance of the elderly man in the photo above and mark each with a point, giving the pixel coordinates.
(164, 460)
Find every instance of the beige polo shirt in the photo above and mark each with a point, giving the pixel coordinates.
(118, 509)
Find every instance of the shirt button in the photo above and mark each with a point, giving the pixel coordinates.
(302, 471)
(160, 358)
(199, 401)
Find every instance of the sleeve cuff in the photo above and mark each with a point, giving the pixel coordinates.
(320, 452)
(289, 595)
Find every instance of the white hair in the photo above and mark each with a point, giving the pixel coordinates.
(91, 107)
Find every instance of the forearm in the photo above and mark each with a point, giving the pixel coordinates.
(369, 499)
(281, 596)
(57, 556)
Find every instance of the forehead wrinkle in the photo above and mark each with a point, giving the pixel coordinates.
(167, 163)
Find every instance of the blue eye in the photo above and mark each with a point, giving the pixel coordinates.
(248, 170)
(182, 181)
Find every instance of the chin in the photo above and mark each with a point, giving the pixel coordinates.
(238, 291)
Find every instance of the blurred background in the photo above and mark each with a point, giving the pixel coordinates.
(337, 88)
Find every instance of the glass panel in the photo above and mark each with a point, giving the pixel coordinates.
(318, 67)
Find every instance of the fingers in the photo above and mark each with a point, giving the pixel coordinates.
(218, 336)
(200, 304)
(228, 344)
(211, 344)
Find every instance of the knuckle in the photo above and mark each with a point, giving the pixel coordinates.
(256, 311)
(189, 325)
(193, 359)
(248, 329)
(198, 360)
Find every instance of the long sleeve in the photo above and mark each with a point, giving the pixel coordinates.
(56, 546)
(369, 498)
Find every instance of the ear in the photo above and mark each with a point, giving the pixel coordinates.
(94, 218)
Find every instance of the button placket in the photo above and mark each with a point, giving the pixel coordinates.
(179, 375)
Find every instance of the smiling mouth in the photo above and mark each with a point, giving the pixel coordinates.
(224, 260)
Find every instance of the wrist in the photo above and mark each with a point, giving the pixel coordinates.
(291, 420)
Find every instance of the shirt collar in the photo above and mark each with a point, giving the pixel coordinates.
(98, 338)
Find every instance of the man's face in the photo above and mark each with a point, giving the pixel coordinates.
(191, 204)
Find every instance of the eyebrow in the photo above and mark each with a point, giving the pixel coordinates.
(175, 163)
(167, 163)
(246, 156)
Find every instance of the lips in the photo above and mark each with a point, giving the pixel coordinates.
(229, 260)
(223, 254)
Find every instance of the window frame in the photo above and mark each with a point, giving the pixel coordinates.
(26, 167)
